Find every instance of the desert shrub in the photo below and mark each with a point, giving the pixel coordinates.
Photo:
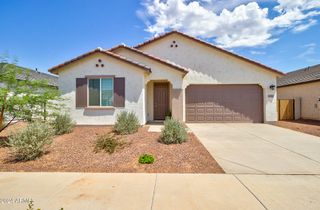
(146, 159)
(62, 124)
(126, 123)
(3, 142)
(31, 142)
(108, 143)
(173, 132)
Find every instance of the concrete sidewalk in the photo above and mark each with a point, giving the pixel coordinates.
(159, 191)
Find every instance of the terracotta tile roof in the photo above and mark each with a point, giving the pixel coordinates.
(165, 62)
(143, 67)
(210, 45)
(305, 75)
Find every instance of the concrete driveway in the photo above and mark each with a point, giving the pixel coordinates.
(260, 148)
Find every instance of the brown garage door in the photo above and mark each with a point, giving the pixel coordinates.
(224, 103)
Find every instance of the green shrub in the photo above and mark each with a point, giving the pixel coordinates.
(173, 132)
(146, 159)
(108, 143)
(126, 123)
(62, 124)
(31, 142)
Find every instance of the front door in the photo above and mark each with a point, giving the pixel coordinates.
(160, 100)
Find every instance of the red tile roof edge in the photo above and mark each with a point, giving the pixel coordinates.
(99, 50)
(168, 63)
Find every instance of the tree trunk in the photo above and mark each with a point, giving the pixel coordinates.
(2, 111)
(45, 111)
(4, 127)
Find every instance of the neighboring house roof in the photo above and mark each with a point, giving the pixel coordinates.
(305, 75)
(121, 58)
(165, 62)
(210, 45)
(35, 75)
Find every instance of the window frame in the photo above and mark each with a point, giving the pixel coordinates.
(100, 92)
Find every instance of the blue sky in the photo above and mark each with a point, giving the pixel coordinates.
(43, 33)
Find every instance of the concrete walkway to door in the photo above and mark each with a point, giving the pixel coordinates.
(260, 148)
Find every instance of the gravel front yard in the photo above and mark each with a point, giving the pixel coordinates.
(305, 126)
(74, 153)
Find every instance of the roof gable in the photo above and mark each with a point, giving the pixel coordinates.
(154, 58)
(139, 46)
(55, 69)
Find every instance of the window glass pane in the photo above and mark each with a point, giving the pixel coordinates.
(107, 92)
(94, 92)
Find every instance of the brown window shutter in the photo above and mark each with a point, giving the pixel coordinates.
(119, 91)
(81, 92)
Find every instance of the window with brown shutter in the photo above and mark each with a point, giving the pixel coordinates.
(103, 92)
(81, 92)
(119, 92)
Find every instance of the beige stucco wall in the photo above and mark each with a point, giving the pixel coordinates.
(160, 73)
(134, 88)
(209, 66)
(309, 94)
(177, 103)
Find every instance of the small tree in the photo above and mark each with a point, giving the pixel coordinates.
(26, 98)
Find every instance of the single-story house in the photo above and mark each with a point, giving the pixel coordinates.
(174, 73)
(302, 86)
(52, 80)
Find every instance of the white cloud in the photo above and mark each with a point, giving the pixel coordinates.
(244, 25)
(254, 52)
(286, 5)
(308, 49)
(219, 5)
(303, 27)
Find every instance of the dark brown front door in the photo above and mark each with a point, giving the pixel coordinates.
(160, 100)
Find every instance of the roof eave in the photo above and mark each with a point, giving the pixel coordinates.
(55, 69)
(299, 83)
(181, 69)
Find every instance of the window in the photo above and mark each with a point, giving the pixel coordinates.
(101, 92)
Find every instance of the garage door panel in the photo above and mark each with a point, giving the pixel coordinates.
(209, 110)
(218, 110)
(191, 111)
(209, 104)
(218, 118)
(238, 118)
(224, 103)
(191, 118)
(200, 110)
(209, 118)
(200, 118)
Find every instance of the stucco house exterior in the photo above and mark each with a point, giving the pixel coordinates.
(174, 73)
(303, 86)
